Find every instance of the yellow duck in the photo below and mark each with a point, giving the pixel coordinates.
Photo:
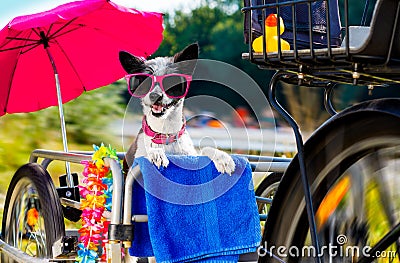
(271, 24)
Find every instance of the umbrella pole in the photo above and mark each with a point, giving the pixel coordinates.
(70, 180)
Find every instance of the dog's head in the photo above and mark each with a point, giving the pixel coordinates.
(162, 82)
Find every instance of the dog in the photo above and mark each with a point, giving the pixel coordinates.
(162, 87)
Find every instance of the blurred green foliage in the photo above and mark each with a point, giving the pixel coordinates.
(87, 117)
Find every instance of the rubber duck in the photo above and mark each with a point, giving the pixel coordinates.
(271, 24)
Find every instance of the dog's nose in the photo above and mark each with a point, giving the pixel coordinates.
(154, 96)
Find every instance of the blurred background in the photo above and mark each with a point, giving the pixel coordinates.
(217, 26)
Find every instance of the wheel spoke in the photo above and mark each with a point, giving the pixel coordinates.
(383, 244)
(28, 237)
(32, 217)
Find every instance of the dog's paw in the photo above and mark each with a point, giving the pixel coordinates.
(222, 161)
(157, 157)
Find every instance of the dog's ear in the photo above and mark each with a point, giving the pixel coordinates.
(130, 63)
(188, 53)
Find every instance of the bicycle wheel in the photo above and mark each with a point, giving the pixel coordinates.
(269, 185)
(267, 189)
(32, 218)
(352, 164)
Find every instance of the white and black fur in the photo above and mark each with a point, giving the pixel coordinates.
(170, 119)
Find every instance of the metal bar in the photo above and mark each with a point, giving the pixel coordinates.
(58, 155)
(130, 179)
(257, 158)
(365, 13)
(140, 218)
(19, 256)
(77, 205)
(278, 33)
(394, 30)
(264, 34)
(310, 23)
(114, 252)
(263, 200)
(70, 203)
(328, 29)
(118, 182)
(121, 155)
(269, 166)
(287, 3)
(45, 163)
(300, 155)
(250, 24)
(328, 99)
(70, 180)
(346, 22)
(294, 22)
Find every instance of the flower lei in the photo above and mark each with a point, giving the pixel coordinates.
(96, 194)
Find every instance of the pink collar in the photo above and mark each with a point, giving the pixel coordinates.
(160, 138)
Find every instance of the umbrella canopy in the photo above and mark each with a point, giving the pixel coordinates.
(82, 39)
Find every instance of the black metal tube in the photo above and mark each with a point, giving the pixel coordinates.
(389, 54)
(310, 23)
(365, 13)
(300, 155)
(346, 24)
(328, 30)
(328, 99)
(264, 34)
(250, 35)
(294, 22)
(278, 28)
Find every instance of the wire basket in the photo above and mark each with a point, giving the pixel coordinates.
(318, 46)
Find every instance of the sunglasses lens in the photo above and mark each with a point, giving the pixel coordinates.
(139, 85)
(175, 86)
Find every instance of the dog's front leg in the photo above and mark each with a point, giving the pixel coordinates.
(223, 162)
(158, 157)
(153, 152)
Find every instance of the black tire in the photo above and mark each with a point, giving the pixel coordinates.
(267, 189)
(269, 185)
(32, 188)
(329, 153)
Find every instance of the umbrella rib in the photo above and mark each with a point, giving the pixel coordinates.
(70, 63)
(5, 44)
(61, 28)
(19, 47)
(37, 33)
(29, 49)
(50, 27)
(65, 32)
(21, 38)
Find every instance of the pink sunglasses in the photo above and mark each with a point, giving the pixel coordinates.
(175, 86)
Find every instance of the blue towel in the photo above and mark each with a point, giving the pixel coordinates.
(195, 213)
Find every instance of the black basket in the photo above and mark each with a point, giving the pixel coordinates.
(366, 55)
(296, 20)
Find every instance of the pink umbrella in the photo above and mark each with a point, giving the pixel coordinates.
(51, 57)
